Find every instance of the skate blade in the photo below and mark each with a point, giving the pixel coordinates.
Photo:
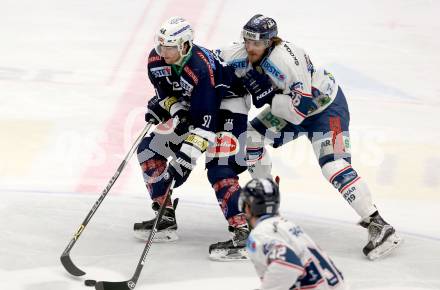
(229, 255)
(164, 236)
(386, 248)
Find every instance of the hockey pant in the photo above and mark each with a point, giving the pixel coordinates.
(328, 132)
(224, 161)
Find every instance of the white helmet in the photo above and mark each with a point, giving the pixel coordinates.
(175, 32)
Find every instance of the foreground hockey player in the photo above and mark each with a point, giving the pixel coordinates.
(303, 100)
(283, 255)
(194, 93)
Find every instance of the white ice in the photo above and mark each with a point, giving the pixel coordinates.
(73, 88)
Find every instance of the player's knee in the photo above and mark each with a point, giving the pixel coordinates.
(340, 174)
(152, 170)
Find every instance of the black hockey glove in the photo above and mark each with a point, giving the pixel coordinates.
(260, 87)
(304, 104)
(155, 113)
(183, 122)
(179, 168)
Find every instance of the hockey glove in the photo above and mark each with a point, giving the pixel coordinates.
(179, 168)
(260, 87)
(155, 113)
(183, 126)
(306, 105)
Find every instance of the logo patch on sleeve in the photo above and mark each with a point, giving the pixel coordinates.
(272, 69)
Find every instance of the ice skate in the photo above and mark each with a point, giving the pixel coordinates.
(166, 227)
(233, 249)
(382, 238)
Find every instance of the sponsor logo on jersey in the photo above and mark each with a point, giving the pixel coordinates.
(271, 121)
(161, 71)
(168, 102)
(226, 144)
(191, 74)
(197, 142)
(272, 69)
(154, 58)
(238, 63)
(186, 86)
(291, 54)
(210, 70)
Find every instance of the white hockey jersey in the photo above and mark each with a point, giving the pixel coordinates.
(287, 258)
(292, 73)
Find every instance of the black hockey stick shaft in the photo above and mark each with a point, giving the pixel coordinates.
(130, 284)
(66, 261)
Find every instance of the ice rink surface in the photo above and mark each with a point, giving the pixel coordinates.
(73, 87)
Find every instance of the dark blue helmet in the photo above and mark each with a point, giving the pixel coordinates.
(260, 27)
(262, 196)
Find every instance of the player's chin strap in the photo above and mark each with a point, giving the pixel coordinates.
(183, 57)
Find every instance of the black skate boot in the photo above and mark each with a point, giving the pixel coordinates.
(382, 237)
(166, 227)
(233, 249)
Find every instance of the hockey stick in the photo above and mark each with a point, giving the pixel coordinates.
(65, 256)
(130, 284)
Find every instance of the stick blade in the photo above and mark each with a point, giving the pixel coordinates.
(70, 267)
(124, 285)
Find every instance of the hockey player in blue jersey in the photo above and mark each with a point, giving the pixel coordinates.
(284, 256)
(201, 108)
(302, 99)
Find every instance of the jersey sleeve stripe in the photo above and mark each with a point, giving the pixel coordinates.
(302, 93)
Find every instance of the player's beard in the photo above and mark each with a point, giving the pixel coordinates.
(253, 58)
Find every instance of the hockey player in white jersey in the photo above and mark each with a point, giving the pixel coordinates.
(284, 256)
(303, 100)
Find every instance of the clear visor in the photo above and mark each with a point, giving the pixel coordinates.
(162, 48)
